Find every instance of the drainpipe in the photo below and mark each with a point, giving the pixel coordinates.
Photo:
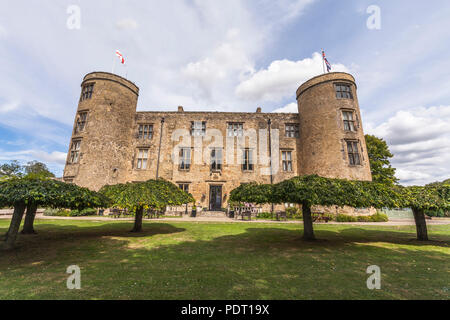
(269, 122)
(159, 149)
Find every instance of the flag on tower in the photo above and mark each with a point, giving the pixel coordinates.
(326, 61)
(122, 59)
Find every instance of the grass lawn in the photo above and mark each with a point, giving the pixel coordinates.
(189, 260)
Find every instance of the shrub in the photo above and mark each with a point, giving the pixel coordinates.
(379, 217)
(293, 213)
(69, 213)
(83, 213)
(57, 212)
(345, 218)
(364, 218)
(264, 215)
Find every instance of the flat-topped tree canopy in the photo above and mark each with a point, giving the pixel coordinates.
(151, 194)
(48, 192)
(32, 191)
(253, 193)
(316, 190)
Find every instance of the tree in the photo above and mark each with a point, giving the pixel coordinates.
(38, 168)
(379, 156)
(30, 192)
(253, 193)
(420, 199)
(314, 190)
(151, 194)
(11, 169)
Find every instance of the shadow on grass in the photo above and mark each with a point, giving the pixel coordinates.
(256, 263)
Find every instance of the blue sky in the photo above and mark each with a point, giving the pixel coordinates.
(229, 55)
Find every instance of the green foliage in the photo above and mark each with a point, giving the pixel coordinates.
(293, 213)
(346, 218)
(377, 217)
(431, 197)
(11, 169)
(315, 190)
(57, 212)
(264, 215)
(38, 169)
(151, 194)
(379, 156)
(252, 192)
(48, 192)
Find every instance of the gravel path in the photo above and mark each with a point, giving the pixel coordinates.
(393, 222)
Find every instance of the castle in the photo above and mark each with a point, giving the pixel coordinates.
(210, 153)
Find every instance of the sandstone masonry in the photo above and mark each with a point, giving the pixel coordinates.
(211, 153)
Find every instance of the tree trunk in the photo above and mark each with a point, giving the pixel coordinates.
(16, 219)
(28, 227)
(138, 220)
(308, 231)
(421, 224)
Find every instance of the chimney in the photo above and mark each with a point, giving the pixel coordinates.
(180, 109)
(258, 110)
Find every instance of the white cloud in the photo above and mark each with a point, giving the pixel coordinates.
(289, 108)
(3, 32)
(127, 23)
(282, 78)
(9, 106)
(420, 141)
(229, 61)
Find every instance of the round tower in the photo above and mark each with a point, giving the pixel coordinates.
(100, 147)
(332, 137)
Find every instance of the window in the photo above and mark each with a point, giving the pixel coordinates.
(292, 130)
(247, 164)
(343, 91)
(142, 159)
(286, 158)
(353, 153)
(216, 159)
(184, 187)
(235, 129)
(86, 92)
(185, 159)
(75, 151)
(81, 122)
(349, 121)
(145, 131)
(198, 128)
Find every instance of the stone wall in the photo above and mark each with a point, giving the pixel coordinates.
(110, 142)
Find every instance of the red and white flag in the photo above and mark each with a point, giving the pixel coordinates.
(122, 59)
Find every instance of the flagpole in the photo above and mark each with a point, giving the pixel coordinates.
(323, 62)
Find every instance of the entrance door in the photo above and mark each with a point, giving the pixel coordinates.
(215, 198)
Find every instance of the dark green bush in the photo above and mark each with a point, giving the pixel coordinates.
(83, 213)
(264, 215)
(345, 218)
(377, 217)
(293, 213)
(70, 213)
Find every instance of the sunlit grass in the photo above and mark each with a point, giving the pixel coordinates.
(189, 260)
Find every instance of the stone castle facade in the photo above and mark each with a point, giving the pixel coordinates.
(211, 153)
